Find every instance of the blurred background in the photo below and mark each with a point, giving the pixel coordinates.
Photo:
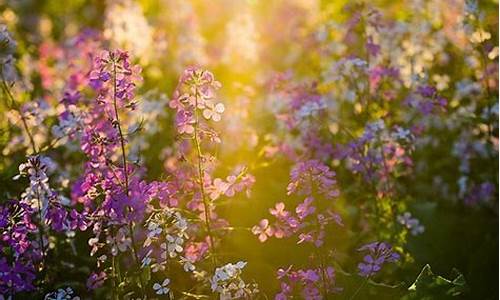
(246, 43)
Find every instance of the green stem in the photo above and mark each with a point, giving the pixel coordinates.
(15, 105)
(125, 170)
(206, 204)
(359, 289)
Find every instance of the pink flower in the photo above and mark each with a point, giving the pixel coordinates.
(213, 112)
(217, 188)
(231, 186)
(263, 230)
(185, 122)
(305, 209)
(279, 211)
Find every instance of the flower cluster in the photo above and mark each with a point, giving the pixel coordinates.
(62, 294)
(379, 154)
(379, 253)
(412, 224)
(316, 182)
(17, 266)
(166, 236)
(334, 125)
(228, 284)
(111, 188)
(307, 283)
(26, 226)
(195, 104)
(195, 95)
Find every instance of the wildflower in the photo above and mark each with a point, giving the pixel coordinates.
(162, 289)
(263, 230)
(187, 264)
(228, 283)
(185, 122)
(305, 208)
(62, 294)
(39, 193)
(410, 223)
(195, 93)
(213, 111)
(379, 253)
(279, 211)
(312, 176)
(306, 283)
(218, 188)
(96, 280)
(174, 245)
(120, 242)
(154, 230)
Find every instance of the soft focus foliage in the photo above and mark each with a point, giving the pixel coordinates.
(249, 149)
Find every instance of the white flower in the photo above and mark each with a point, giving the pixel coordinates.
(39, 191)
(187, 264)
(181, 223)
(401, 134)
(174, 245)
(227, 281)
(62, 294)
(120, 242)
(154, 229)
(162, 289)
(164, 252)
(156, 267)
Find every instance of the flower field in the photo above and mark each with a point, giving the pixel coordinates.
(249, 149)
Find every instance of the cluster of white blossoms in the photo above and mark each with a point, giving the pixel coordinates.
(168, 230)
(228, 283)
(38, 193)
(62, 294)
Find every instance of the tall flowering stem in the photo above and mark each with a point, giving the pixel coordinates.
(126, 197)
(195, 105)
(206, 204)
(117, 124)
(6, 68)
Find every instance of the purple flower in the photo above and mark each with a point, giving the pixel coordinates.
(310, 177)
(379, 253)
(96, 280)
(480, 193)
(306, 283)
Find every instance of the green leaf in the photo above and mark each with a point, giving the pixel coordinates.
(430, 286)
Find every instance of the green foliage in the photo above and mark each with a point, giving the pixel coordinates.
(430, 286)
